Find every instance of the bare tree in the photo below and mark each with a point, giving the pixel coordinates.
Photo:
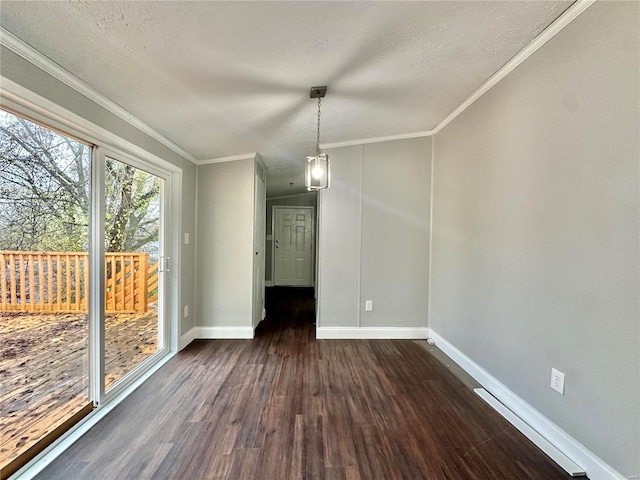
(132, 224)
(45, 199)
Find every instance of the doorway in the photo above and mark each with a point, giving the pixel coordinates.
(291, 267)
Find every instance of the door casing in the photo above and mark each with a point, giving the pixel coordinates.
(259, 242)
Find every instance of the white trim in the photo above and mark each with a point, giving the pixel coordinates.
(230, 158)
(294, 195)
(268, 283)
(96, 274)
(40, 462)
(273, 250)
(187, 338)
(556, 455)
(380, 333)
(223, 332)
(547, 34)
(257, 246)
(96, 271)
(36, 58)
(175, 248)
(569, 446)
(364, 141)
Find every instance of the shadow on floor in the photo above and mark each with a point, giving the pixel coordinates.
(288, 308)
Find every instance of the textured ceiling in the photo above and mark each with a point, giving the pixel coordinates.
(228, 78)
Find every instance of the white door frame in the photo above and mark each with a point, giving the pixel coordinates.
(259, 244)
(313, 239)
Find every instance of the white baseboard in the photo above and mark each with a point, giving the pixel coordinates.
(363, 333)
(268, 283)
(223, 332)
(187, 338)
(595, 467)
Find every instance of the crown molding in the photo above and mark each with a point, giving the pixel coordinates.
(547, 34)
(230, 158)
(364, 141)
(279, 197)
(13, 43)
(348, 143)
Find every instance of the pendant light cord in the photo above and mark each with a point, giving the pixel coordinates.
(318, 138)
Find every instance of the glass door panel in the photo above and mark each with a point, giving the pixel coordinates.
(44, 280)
(133, 254)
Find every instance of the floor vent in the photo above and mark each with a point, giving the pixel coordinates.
(556, 455)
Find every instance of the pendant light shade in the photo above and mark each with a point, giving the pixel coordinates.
(317, 171)
(317, 174)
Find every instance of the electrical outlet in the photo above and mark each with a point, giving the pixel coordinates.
(368, 306)
(186, 238)
(557, 381)
(185, 311)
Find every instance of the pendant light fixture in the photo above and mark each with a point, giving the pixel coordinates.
(317, 173)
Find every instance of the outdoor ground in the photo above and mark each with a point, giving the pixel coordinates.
(44, 367)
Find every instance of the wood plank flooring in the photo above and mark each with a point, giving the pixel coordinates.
(286, 406)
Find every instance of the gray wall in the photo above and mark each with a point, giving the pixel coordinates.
(536, 231)
(225, 244)
(31, 77)
(374, 235)
(339, 240)
(309, 199)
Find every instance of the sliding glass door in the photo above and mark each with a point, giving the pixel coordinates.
(82, 287)
(134, 266)
(45, 200)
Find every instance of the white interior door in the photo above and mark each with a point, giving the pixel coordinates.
(260, 220)
(293, 246)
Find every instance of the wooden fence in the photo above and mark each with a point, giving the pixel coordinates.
(58, 282)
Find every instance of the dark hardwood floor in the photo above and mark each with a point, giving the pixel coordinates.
(285, 406)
